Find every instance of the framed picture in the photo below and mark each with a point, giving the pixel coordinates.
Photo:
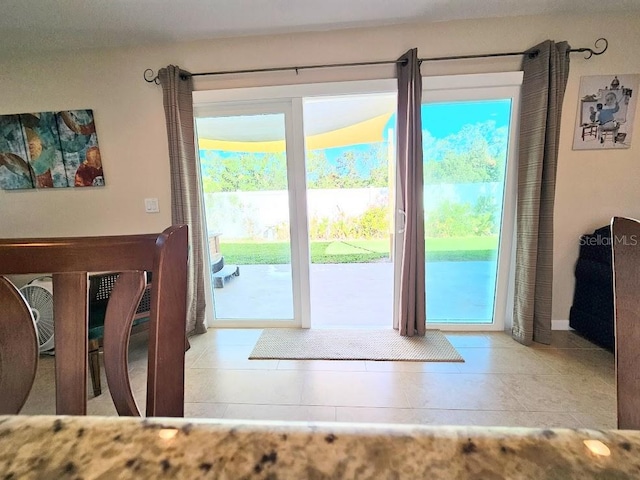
(606, 111)
(49, 150)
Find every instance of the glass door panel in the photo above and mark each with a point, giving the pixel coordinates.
(465, 147)
(246, 199)
(349, 164)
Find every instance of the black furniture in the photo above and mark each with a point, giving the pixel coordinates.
(592, 310)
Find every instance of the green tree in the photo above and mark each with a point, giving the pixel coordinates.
(243, 172)
(354, 168)
(375, 161)
(347, 170)
(318, 168)
(475, 154)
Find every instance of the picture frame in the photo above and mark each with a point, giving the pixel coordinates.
(49, 150)
(606, 112)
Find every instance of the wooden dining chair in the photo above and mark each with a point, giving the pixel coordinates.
(70, 260)
(625, 234)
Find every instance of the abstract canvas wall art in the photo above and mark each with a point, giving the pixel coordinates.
(49, 150)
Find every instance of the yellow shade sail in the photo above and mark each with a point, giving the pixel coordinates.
(244, 147)
(368, 131)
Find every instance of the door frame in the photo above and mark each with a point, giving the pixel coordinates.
(297, 230)
(246, 101)
(440, 88)
(489, 86)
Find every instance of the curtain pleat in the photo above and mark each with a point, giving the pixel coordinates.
(177, 88)
(546, 68)
(412, 309)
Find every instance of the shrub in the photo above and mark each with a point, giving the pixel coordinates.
(372, 224)
(449, 219)
(452, 219)
(319, 228)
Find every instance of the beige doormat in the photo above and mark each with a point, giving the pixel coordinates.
(356, 344)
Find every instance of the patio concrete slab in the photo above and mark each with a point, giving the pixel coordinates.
(357, 294)
(352, 294)
(259, 292)
(460, 291)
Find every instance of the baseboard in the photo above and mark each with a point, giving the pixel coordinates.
(560, 325)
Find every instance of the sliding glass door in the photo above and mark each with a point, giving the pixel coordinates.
(349, 158)
(302, 209)
(244, 153)
(298, 194)
(464, 168)
(469, 143)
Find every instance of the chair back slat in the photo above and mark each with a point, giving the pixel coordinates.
(18, 349)
(170, 277)
(125, 295)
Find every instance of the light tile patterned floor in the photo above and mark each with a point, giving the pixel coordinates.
(568, 384)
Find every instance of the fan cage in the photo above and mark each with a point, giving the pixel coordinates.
(40, 300)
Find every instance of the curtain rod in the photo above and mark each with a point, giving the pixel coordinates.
(150, 77)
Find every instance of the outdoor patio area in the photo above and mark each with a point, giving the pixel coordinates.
(358, 294)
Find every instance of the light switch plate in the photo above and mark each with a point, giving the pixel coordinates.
(151, 205)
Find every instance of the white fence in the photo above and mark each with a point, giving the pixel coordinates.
(241, 215)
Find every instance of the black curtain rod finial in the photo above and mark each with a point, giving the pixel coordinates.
(590, 51)
(150, 77)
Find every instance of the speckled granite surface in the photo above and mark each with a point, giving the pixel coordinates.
(105, 447)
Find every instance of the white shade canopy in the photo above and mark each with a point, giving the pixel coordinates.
(328, 122)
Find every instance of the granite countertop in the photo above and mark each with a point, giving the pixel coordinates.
(110, 447)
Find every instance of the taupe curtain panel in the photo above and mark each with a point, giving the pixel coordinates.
(412, 311)
(185, 189)
(546, 68)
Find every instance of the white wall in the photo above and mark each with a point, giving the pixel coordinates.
(592, 185)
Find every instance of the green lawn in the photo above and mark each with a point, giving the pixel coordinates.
(461, 249)
(358, 251)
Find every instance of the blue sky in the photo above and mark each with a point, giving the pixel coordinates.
(444, 119)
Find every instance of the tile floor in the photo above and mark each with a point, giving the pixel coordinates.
(568, 384)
